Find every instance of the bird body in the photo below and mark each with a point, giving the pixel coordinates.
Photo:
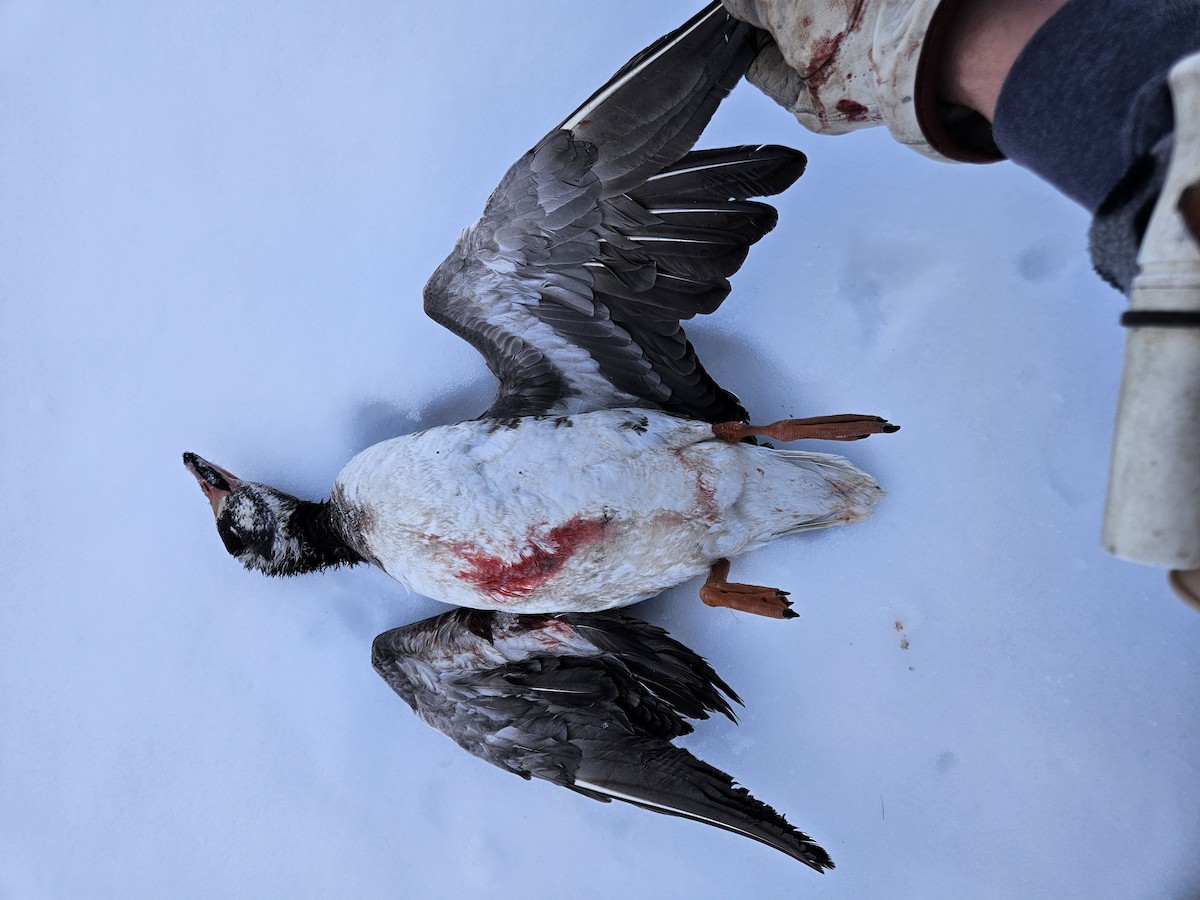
(595, 510)
(594, 479)
(605, 470)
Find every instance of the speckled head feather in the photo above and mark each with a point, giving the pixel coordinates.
(268, 530)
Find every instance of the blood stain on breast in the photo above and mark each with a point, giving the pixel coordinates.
(537, 563)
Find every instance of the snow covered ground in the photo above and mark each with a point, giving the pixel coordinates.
(215, 222)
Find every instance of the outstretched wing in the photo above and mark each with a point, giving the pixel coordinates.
(607, 234)
(590, 702)
(503, 685)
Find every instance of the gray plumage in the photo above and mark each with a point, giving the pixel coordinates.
(587, 701)
(609, 232)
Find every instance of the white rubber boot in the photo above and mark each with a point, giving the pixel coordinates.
(1153, 511)
(841, 65)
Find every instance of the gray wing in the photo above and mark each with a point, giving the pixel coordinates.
(503, 686)
(593, 710)
(608, 233)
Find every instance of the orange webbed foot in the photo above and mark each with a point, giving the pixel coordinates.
(847, 427)
(749, 598)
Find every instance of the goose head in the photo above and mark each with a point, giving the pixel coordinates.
(266, 529)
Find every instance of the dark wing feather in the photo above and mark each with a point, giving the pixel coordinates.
(470, 672)
(667, 668)
(587, 701)
(607, 234)
(666, 779)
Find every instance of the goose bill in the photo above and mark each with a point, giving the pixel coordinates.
(216, 482)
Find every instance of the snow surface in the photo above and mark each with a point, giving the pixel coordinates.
(215, 222)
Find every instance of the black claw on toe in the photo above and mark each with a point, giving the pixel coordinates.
(789, 614)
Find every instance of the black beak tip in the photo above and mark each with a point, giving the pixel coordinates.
(204, 471)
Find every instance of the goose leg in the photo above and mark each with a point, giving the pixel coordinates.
(750, 598)
(826, 428)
